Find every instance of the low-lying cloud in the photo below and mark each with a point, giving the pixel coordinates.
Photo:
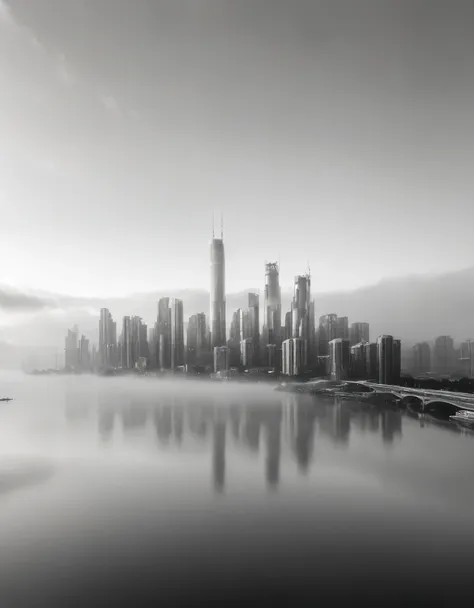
(17, 301)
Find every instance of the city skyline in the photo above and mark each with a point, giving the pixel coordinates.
(377, 144)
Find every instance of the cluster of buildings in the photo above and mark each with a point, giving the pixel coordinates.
(259, 337)
(443, 358)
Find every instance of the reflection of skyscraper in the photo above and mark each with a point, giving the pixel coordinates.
(273, 446)
(391, 425)
(163, 424)
(178, 422)
(251, 429)
(342, 422)
(218, 455)
(272, 306)
(217, 293)
(304, 434)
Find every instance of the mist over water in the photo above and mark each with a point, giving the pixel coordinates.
(115, 489)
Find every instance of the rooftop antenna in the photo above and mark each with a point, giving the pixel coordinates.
(213, 224)
(222, 226)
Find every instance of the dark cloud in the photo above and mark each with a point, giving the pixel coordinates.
(16, 301)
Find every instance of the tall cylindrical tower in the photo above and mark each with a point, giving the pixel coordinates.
(272, 305)
(217, 291)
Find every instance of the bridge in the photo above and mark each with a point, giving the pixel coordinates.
(423, 397)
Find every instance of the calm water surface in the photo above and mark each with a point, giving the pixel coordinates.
(137, 492)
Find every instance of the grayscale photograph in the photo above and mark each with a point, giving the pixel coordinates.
(236, 303)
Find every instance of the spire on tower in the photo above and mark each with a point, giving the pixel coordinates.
(222, 226)
(213, 224)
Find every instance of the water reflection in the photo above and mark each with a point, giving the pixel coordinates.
(281, 422)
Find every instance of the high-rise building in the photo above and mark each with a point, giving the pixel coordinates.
(359, 332)
(397, 361)
(107, 339)
(127, 358)
(270, 356)
(372, 361)
(342, 330)
(247, 352)
(466, 359)
(287, 329)
(339, 355)
(217, 293)
(177, 333)
(163, 334)
(360, 361)
(385, 356)
(421, 358)
(444, 355)
(71, 350)
(302, 326)
(294, 356)
(327, 332)
(272, 305)
(138, 340)
(196, 342)
(221, 360)
(249, 325)
(84, 354)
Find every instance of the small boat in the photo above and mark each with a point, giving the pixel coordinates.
(463, 417)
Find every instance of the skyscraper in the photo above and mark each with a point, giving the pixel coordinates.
(272, 305)
(84, 354)
(138, 339)
(301, 323)
(342, 330)
(217, 293)
(359, 332)
(177, 333)
(339, 355)
(107, 339)
(71, 350)
(327, 332)
(294, 356)
(163, 334)
(127, 361)
(443, 355)
(421, 358)
(196, 339)
(385, 360)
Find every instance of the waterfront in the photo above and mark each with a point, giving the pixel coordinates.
(116, 488)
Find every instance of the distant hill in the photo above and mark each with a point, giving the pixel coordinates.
(412, 308)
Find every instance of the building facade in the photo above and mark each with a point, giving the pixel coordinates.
(217, 294)
(294, 356)
(272, 331)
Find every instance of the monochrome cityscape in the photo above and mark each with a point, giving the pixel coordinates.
(260, 339)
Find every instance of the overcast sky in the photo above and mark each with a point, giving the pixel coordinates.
(339, 132)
